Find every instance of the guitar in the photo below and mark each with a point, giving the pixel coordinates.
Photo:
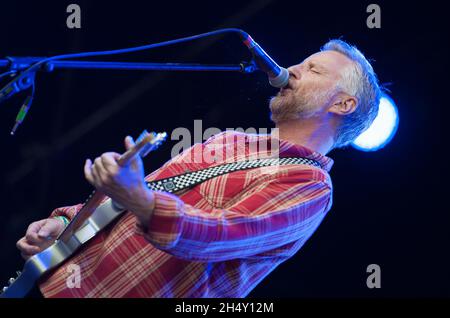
(96, 213)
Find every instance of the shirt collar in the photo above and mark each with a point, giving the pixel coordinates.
(289, 149)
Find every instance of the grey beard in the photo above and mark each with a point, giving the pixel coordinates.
(285, 108)
(290, 106)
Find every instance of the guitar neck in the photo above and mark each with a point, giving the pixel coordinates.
(85, 212)
(126, 157)
(96, 197)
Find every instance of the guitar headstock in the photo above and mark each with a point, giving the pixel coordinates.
(144, 144)
(152, 141)
(10, 282)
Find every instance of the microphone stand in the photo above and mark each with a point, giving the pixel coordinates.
(15, 65)
(21, 63)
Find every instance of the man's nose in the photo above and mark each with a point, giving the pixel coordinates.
(294, 71)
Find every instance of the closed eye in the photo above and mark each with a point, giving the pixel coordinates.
(315, 68)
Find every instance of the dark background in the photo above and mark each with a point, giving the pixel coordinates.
(389, 206)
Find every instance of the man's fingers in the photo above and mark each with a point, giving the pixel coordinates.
(32, 231)
(129, 142)
(19, 243)
(49, 229)
(96, 173)
(27, 248)
(109, 161)
(99, 171)
(35, 226)
(88, 171)
(136, 163)
(98, 181)
(33, 238)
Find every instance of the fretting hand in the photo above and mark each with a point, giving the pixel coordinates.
(123, 184)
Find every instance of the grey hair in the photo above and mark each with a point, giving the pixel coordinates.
(360, 81)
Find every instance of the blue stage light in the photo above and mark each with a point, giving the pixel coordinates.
(383, 128)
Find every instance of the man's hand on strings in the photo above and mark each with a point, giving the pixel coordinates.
(40, 235)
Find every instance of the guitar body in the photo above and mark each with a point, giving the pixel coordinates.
(35, 267)
(97, 212)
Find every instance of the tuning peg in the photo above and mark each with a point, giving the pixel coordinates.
(18, 273)
(11, 280)
(4, 289)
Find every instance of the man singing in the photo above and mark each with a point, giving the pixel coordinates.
(222, 237)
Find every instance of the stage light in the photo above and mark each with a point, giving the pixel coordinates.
(383, 128)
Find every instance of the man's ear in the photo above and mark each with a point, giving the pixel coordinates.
(344, 105)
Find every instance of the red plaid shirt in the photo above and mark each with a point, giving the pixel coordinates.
(218, 239)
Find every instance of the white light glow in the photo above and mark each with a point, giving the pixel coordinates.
(382, 129)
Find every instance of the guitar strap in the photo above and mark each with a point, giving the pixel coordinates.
(190, 179)
(110, 210)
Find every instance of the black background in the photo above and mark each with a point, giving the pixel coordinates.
(389, 206)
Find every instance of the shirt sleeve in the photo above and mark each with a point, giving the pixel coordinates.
(67, 211)
(285, 210)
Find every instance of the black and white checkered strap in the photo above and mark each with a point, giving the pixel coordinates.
(190, 179)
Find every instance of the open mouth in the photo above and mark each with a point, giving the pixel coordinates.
(285, 89)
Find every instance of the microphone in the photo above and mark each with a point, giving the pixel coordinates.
(278, 76)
